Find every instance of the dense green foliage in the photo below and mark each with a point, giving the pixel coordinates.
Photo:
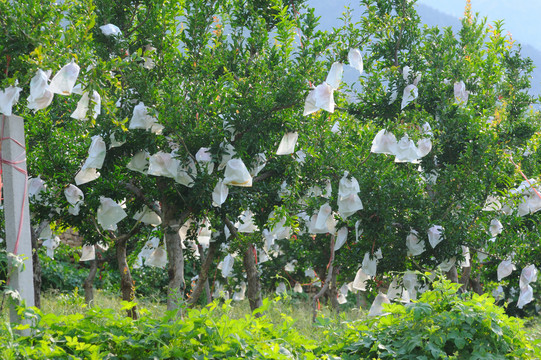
(442, 324)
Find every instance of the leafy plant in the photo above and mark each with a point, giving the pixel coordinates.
(443, 323)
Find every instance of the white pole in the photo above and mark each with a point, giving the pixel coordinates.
(16, 213)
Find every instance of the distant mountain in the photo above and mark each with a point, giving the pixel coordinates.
(331, 11)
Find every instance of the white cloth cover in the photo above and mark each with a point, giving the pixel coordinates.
(204, 233)
(467, 258)
(290, 266)
(40, 94)
(505, 268)
(336, 128)
(324, 97)
(355, 59)
(446, 265)
(142, 120)
(334, 77)
(369, 265)
(258, 163)
(528, 275)
(410, 93)
(228, 153)
(64, 80)
(110, 30)
(146, 251)
(394, 291)
(411, 283)
(492, 204)
(139, 162)
(147, 216)
(246, 222)
(51, 244)
(86, 175)
(310, 103)
(377, 306)
(83, 104)
(414, 244)
(96, 153)
(495, 227)
(46, 233)
(287, 145)
(348, 200)
(9, 97)
(310, 273)
(35, 187)
(227, 266)
(384, 143)
(94, 161)
(158, 258)
(424, 146)
(204, 158)
(435, 235)
(163, 164)
(281, 288)
(406, 151)
(279, 230)
(461, 94)
(358, 231)
(347, 186)
(75, 198)
(89, 253)
(240, 294)
(186, 173)
(219, 194)
(115, 142)
(525, 297)
(110, 213)
(341, 238)
(236, 174)
(481, 256)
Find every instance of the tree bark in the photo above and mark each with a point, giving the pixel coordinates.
(36, 267)
(333, 291)
(171, 223)
(88, 285)
(207, 292)
(453, 274)
(326, 285)
(126, 281)
(465, 278)
(253, 289)
(202, 281)
(476, 285)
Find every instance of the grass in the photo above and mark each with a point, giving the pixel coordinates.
(297, 308)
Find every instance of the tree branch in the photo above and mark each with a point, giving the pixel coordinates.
(140, 195)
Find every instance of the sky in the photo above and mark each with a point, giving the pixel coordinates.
(521, 17)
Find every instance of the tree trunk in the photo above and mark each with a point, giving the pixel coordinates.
(88, 285)
(207, 292)
(328, 281)
(476, 285)
(333, 291)
(36, 267)
(253, 289)
(465, 278)
(126, 281)
(202, 281)
(171, 222)
(453, 275)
